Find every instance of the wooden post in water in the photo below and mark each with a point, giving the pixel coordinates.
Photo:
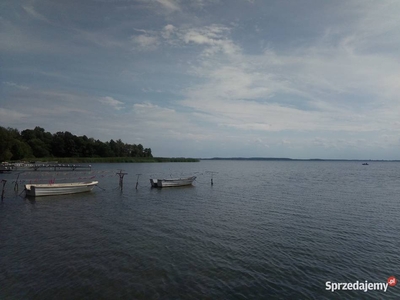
(121, 178)
(212, 174)
(137, 180)
(16, 183)
(2, 192)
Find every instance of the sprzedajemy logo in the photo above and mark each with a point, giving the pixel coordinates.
(360, 285)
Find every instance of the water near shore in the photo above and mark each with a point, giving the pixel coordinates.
(264, 230)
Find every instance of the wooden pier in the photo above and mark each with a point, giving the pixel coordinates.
(58, 167)
(6, 168)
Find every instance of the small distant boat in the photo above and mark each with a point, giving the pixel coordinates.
(53, 189)
(365, 164)
(173, 182)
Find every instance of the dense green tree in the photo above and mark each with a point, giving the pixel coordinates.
(113, 146)
(58, 145)
(31, 143)
(147, 152)
(28, 134)
(90, 147)
(140, 150)
(20, 150)
(39, 148)
(103, 149)
(38, 140)
(12, 146)
(5, 153)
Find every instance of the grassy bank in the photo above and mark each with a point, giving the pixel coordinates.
(77, 160)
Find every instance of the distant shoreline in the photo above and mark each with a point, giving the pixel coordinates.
(77, 160)
(296, 159)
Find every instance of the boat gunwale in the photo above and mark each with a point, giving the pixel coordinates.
(59, 185)
(178, 179)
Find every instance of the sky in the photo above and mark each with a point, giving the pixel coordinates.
(207, 78)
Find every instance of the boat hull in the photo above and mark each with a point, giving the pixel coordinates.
(36, 190)
(160, 183)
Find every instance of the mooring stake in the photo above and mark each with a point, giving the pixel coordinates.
(2, 192)
(137, 180)
(121, 178)
(16, 183)
(212, 174)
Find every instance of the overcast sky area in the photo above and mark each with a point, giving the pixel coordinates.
(207, 78)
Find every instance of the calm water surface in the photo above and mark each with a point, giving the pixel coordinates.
(264, 230)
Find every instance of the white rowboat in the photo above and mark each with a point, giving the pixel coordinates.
(173, 182)
(35, 190)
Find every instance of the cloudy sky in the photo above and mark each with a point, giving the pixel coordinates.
(206, 78)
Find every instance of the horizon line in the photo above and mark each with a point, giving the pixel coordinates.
(296, 159)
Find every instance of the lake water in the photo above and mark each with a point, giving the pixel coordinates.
(264, 230)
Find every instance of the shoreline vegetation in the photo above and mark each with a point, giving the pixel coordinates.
(39, 146)
(80, 160)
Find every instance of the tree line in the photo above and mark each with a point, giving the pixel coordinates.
(37, 143)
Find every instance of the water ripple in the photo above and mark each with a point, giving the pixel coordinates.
(264, 230)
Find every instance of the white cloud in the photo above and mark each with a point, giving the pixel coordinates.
(167, 7)
(167, 31)
(321, 86)
(215, 37)
(212, 39)
(170, 5)
(110, 101)
(146, 42)
(158, 7)
(29, 9)
(167, 123)
(261, 142)
(9, 116)
(14, 85)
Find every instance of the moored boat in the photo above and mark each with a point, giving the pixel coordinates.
(51, 189)
(173, 182)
